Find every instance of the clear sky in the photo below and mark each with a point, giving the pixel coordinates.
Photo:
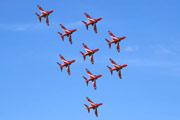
(32, 87)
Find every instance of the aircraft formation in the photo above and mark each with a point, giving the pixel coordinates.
(89, 52)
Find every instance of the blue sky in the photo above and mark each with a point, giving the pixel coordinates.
(33, 88)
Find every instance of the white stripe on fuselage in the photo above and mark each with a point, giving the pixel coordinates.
(87, 50)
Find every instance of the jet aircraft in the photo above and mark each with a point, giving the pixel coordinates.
(91, 22)
(115, 40)
(67, 33)
(92, 78)
(89, 52)
(93, 106)
(116, 67)
(44, 14)
(66, 64)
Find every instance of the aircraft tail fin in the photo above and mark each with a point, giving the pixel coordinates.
(38, 17)
(110, 70)
(83, 55)
(109, 43)
(85, 24)
(86, 80)
(87, 108)
(61, 36)
(60, 66)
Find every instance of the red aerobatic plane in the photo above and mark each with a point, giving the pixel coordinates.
(66, 64)
(92, 78)
(89, 52)
(116, 67)
(93, 106)
(115, 40)
(67, 33)
(44, 14)
(91, 22)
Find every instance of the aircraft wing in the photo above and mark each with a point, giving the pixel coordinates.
(119, 74)
(90, 101)
(92, 59)
(94, 84)
(89, 73)
(47, 20)
(110, 33)
(63, 28)
(70, 39)
(68, 70)
(63, 59)
(117, 46)
(86, 48)
(95, 28)
(112, 61)
(95, 111)
(40, 8)
(88, 16)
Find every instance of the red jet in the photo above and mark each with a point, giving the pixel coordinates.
(66, 64)
(92, 78)
(93, 106)
(44, 14)
(116, 67)
(115, 40)
(89, 52)
(67, 33)
(91, 22)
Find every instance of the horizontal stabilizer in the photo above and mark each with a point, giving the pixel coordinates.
(85, 24)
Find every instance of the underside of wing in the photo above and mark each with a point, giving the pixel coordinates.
(119, 74)
(68, 70)
(92, 59)
(117, 46)
(111, 34)
(88, 16)
(63, 59)
(94, 84)
(86, 48)
(114, 63)
(89, 73)
(47, 20)
(63, 28)
(95, 28)
(90, 101)
(70, 39)
(40, 8)
(95, 111)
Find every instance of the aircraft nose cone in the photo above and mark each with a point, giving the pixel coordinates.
(125, 65)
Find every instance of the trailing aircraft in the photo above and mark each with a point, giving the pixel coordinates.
(92, 78)
(67, 33)
(116, 67)
(66, 64)
(44, 14)
(89, 52)
(93, 106)
(91, 22)
(115, 40)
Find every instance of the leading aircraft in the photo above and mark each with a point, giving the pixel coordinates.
(67, 33)
(89, 52)
(66, 64)
(93, 106)
(116, 67)
(92, 78)
(44, 14)
(115, 40)
(91, 22)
